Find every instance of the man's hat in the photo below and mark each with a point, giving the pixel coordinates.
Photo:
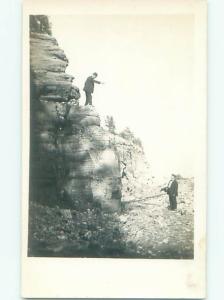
(95, 74)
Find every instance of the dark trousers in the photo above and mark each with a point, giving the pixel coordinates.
(88, 98)
(173, 202)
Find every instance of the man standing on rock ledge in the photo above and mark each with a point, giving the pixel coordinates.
(89, 87)
(172, 191)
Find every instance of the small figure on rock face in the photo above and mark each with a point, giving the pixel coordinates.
(124, 171)
(172, 191)
(89, 87)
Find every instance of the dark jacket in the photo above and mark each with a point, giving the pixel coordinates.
(89, 84)
(173, 189)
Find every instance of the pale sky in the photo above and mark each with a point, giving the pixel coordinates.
(147, 65)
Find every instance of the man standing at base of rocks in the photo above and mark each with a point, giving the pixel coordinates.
(172, 191)
(89, 87)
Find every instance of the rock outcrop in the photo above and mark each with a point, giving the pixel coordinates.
(135, 169)
(72, 159)
(80, 173)
(91, 190)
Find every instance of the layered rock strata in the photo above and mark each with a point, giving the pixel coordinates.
(72, 160)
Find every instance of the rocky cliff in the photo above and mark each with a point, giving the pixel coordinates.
(79, 172)
(135, 170)
(72, 160)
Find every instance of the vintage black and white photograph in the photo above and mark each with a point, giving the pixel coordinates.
(117, 131)
(112, 132)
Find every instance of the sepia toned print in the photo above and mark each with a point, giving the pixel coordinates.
(114, 149)
(92, 190)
